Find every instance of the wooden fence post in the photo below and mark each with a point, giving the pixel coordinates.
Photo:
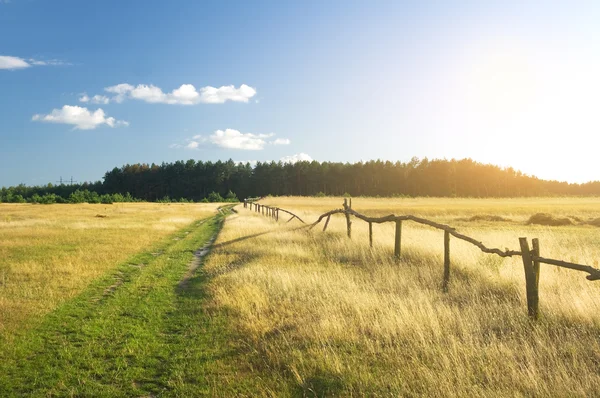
(370, 234)
(536, 270)
(348, 221)
(531, 277)
(397, 247)
(326, 222)
(277, 214)
(446, 261)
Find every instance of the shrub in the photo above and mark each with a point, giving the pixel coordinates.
(106, 199)
(77, 197)
(214, 197)
(91, 197)
(35, 198)
(231, 197)
(50, 198)
(18, 199)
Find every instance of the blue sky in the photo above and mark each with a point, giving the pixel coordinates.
(86, 86)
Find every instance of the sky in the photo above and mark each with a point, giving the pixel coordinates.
(86, 86)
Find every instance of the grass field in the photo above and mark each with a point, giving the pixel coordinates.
(328, 316)
(50, 253)
(108, 306)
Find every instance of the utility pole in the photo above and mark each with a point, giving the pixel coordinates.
(61, 182)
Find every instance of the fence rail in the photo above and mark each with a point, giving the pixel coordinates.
(531, 257)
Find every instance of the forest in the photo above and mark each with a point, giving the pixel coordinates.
(197, 180)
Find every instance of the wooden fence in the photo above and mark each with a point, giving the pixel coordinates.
(530, 256)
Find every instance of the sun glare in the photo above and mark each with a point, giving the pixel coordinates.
(503, 85)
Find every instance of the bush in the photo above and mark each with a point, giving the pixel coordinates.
(106, 199)
(320, 194)
(77, 197)
(231, 197)
(18, 199)
(49, 199)
(215, 197)
(91, 197)
(35, 198)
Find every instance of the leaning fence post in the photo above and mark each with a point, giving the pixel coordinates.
(530, 278)
(446, 261)
(397, 246)
(326, 223)
(370, 234)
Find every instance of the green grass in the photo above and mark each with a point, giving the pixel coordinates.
(135, 332)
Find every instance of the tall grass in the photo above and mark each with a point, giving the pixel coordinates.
(328, 315)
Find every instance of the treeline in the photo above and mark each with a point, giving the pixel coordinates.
(215, 181)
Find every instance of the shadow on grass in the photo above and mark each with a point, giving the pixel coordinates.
(243, 238)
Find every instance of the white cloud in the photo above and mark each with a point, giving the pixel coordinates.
(49, 62)
(212, 95)
(96, 99)
(281, 141)
(186, 94)
(232, 139)
(81, 118)
(121, 90)
(299, 157)
(8, 62)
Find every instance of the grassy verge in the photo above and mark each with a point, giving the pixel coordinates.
(136, 332)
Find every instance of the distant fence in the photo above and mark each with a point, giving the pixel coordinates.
(531, 257)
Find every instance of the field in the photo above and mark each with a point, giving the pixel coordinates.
(328, 316)
(279, 310)
(49, 254)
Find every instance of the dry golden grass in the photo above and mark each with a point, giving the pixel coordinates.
(49, 253)
(327, 315)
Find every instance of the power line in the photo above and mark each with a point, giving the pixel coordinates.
(71, 181)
